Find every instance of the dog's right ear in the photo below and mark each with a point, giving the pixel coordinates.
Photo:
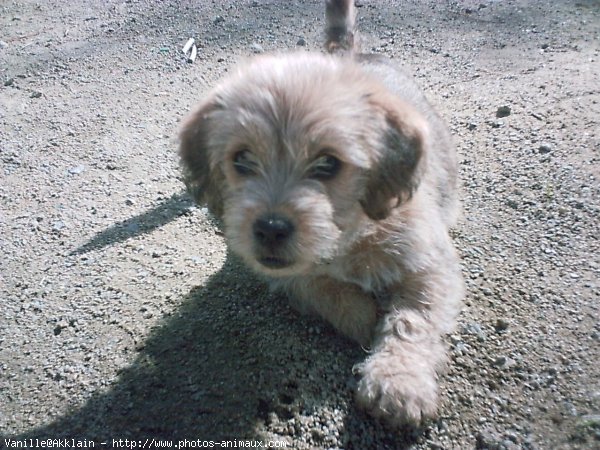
(400, 164)
(200, 177)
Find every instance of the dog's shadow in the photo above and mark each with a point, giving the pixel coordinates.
(167, 211)
(230, 363)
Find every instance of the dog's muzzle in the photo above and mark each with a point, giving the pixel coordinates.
(272, 233)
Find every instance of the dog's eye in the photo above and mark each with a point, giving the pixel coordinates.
(243, 163)
(325, 167)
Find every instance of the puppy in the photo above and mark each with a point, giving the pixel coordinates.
(336, 180)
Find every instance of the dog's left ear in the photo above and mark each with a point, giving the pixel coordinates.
(399, 165)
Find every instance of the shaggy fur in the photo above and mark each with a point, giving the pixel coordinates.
(336, 180)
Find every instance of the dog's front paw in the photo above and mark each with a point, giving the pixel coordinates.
(397, 392)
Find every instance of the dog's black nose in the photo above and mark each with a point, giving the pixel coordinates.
(272, 230)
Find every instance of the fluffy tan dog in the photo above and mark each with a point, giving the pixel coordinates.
(336, 180)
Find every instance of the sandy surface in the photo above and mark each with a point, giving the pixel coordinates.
(123, 317)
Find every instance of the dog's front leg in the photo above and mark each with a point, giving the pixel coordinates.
(399, 379)
(348, 308)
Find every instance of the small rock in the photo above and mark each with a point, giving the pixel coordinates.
(503, 111)
(500, 361)
(63, 324)
(76, 170)
(9, 82)
(513, 204)
(58, 226)
(570, 409)
(129, 202)
(257, 48)
(218, 19)
(460, 348)
(485, 440)
(474, 328)
(301, 42)
(454, 339)
(36, 306)
(317, 434)
(544, 148)
(36, 94)
(501, 324)
(198, 260)
(538, 115)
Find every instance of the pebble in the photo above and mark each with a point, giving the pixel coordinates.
(257, 48)
(76, 170)
(500, 361)
(475, 329)
(503, 111)
(501, 324)
(544, 148)
(58, 225)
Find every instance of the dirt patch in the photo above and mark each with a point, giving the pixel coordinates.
(123, 317)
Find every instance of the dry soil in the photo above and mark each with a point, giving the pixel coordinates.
(122, 316)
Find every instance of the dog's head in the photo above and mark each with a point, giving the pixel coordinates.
(298, 155)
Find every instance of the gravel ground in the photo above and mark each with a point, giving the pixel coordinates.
(122, 316)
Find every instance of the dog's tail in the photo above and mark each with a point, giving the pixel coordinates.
(340, 30)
